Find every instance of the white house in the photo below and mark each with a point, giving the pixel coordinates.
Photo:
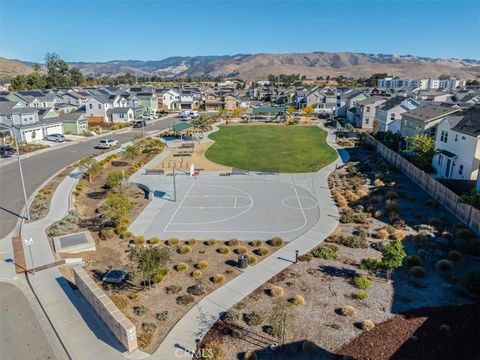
(171, 99)
(120, 114)
(458, 145)
(365, 111)
(97, 106)
(389, 114)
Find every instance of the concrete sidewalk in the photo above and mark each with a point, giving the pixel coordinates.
(195, 324)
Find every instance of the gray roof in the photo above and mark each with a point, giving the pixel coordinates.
(118, 110)
(72, 117)
(470, 122)
(391, 103)
(431, 111)
(6, 107)
(371, 100)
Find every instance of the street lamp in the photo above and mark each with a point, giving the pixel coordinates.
(10, 128)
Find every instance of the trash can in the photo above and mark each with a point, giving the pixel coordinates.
(242, 262)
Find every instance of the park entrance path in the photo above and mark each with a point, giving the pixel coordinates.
(195, 324)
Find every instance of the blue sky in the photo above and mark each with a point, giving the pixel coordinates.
(102, 30)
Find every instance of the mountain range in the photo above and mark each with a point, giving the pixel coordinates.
(259, 66)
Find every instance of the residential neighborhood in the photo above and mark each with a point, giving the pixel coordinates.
(239, 180)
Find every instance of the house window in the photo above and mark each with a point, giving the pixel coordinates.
(367, 121)
(91, 106)
(99, 106)
(392, 116)
(460, 170)
(464, 138)
(122, 116)
(368, 108)
(444, 136)
(440, 160)
(456, 137)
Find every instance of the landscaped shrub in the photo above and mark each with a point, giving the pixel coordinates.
(435, 222)
(139, 310)
(391, 194)
(399, 235)
(362, 282)
(393, 210)
(181, 267)
(455, 255)
(230, 271)
(444, 265)
(154, 240)
(164, 316)
(326, 251)
(275, 291)
(202, 265)
(350, 196)
(184, 249)
(185, 299)
(253, 318)
(172, 241)
(348, 216)
(160, 276)
(145, 335)
(383, 234)
(370, 264)
(413, 260)
(306, 257)
(341, 201)
(297, 300)
(211, 242)
(347, 310)
(139, 240)
(242, 250)
(417, 271)
(471, 282)
(218, 278)
(120, 301)
(276, 241)
(197, 274)
(367, 325)
(197, 289)
(309, 347)
(134, 296)
(256, 243)
(233, 242)
(362, 192)
(223, 250)
(251, 259)
(231, 316)
(191, 242)
(173, 289)
(357, 295)
(214, 351)
(464, 234)
(107, 233)
(250, 355)
(262, 251)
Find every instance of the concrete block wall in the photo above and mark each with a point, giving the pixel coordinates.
(123, 329)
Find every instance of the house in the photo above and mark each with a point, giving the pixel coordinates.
(74, 123)
(457, 145)
(433, 95)
(36, 98)
(148, 102)
(425, 118)
(389, 114)
(212, 101)
(365, 111)
(347, 102)
(171, 100)
(120, 114)
(75, 98)
(188, 100)
(63, 108)
(97, 107)
(230, 102)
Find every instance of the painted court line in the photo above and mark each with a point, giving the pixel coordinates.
(179, 205)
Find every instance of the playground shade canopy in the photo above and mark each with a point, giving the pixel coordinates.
(180, 127)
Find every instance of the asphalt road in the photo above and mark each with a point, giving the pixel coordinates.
(37, 169)
(21, 334)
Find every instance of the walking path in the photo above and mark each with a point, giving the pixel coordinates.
(195, 324)
(85, 336)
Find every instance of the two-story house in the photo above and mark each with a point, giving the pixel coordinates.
(23, 121)
(425, 118)
(99, 109)
(230, 102)
(457, 145)
(389, 114)
(171, 99)
(148, 102)
(365, 111)
(212, 101)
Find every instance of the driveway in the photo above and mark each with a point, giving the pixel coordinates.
(39, 168)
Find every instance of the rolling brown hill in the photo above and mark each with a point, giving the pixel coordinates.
(11, 68)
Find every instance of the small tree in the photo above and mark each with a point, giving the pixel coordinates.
(424, 148)
(115, 179)
(308, 110)
(116, 208)
(282, 316)
(392, 256)
(89, 167)
(290, 110)
(237, 112)
(131, 152)
(149, 260)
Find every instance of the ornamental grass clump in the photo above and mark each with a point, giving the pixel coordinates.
(276, 291)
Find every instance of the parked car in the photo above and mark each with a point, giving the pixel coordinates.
(55, 137)
(6, 151)
(149, 117)
(139, 123)
(107, 143)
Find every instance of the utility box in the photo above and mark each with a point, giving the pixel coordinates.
(242, 262)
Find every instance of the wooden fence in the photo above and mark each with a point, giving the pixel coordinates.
(467, 214)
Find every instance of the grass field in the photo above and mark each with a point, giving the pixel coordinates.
(290, 149)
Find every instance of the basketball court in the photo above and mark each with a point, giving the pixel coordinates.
(215, 207)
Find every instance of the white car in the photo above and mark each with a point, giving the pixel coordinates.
(107, 143)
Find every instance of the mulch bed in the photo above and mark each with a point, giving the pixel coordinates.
(418, 335)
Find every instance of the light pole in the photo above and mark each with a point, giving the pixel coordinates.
(10, 127)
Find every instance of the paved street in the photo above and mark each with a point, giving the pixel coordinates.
(21, 336)
(39, 168)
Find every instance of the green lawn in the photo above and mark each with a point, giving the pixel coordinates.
(290, 149)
